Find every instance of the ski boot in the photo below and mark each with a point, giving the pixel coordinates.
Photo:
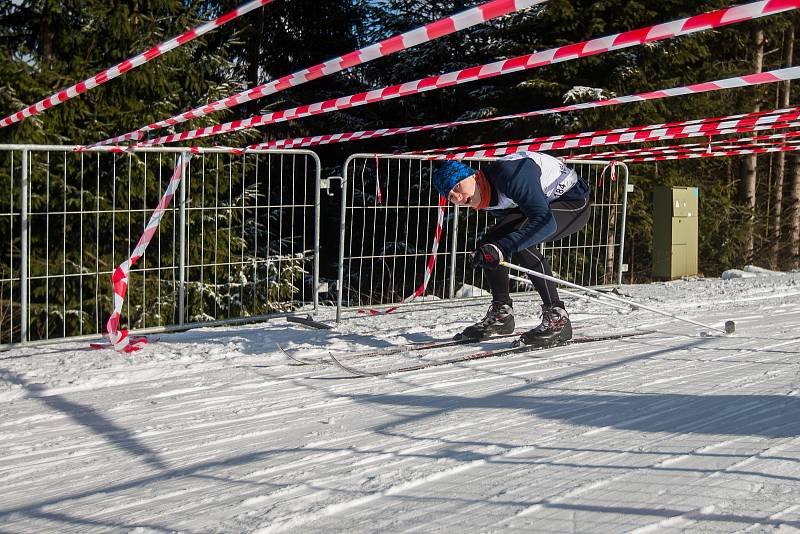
(499, 319)
(555, 329)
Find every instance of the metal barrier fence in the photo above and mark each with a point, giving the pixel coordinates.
(240, 239)
(388, 218)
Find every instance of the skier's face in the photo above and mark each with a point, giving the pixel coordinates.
(466, 193)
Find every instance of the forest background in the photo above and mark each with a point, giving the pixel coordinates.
(750, 206)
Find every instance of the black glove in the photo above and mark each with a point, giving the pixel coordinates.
(488, 256)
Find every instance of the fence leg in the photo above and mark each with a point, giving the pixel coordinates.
(317, 202)
(453, 245)
(182, 241)
(342, 230)
(624, 221)
(23, 249)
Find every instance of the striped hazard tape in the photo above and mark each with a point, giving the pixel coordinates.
(129, 64)
(437, 236)
(749, 80)
(619, 41)
(119, 338)
(778, 119)
(423, 34)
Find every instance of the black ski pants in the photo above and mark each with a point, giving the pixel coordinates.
(570, 216)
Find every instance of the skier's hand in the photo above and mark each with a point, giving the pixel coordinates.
(488, 256)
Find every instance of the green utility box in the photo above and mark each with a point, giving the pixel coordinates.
(675, 229)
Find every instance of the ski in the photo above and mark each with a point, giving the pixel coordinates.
(478, 355)
(397, 349)
(309, 322)
(294, 359)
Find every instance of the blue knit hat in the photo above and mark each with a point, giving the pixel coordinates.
(449, 174)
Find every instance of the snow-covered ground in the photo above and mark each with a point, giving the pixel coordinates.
(213, 431)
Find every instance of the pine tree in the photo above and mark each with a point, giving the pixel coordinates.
(285, 37)
(46, 46)
(56, 44)
(783, 100)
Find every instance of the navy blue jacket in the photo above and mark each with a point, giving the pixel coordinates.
(520, 181)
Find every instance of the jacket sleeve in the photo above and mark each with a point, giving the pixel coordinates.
(520, 180)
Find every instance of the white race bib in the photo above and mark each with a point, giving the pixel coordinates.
(556, 178)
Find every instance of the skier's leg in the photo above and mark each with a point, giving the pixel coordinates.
(533, 259)
(555, 327)
(499, 318)
(499, 283)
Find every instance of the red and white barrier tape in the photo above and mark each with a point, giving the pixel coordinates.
(117, 149)
(702, 123)
(679, 149)
(129, 64)
(778, 75)
(725, 144)
(119, 338)
(640, 134)
(612, 168)
(614, 140)
(397, 43)
(716, 154)
(437, 236)
(565, 53)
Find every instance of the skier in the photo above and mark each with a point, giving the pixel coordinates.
(535, 198)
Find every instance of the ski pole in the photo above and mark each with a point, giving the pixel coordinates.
(730, 326)
(570, 293)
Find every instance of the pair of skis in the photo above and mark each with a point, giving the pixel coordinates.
(399, 349)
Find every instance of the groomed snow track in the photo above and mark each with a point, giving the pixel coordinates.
(214, 431)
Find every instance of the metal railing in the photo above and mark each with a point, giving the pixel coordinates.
(239, 241)
(388, 219)
(241, 238)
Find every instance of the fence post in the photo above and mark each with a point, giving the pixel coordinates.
(453, 245)
(182, 240)
(624, 220)
(317, 209)
(23, 249)
(342, 230)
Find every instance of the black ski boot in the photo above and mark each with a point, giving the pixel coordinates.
(499, 319)
(554, 330)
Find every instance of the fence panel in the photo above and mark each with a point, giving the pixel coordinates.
(389, 213)
(247, 224)
(10, 246)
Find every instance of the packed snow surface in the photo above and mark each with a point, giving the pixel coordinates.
(214, 430)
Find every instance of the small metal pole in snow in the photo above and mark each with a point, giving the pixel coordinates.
(729, 325)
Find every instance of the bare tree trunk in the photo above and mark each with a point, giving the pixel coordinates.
(793, 214)
(747, 191)
(47, 39)
(792, 217)
(780, 163)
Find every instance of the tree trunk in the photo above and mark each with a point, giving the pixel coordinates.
(47, 40)
(793, 214)
(747, 191)
(255, 47)
(780, 163)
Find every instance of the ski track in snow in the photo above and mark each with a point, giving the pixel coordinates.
(214, 430)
